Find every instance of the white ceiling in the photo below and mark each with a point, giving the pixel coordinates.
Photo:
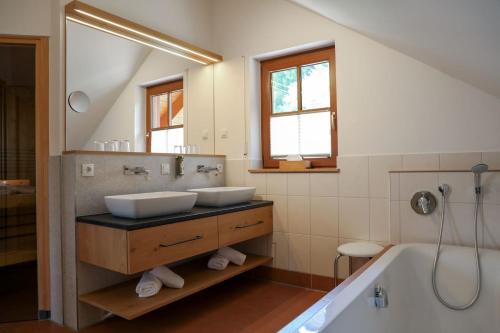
(458, 37)
(100, 65)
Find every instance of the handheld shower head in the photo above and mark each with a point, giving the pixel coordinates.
(477, 170)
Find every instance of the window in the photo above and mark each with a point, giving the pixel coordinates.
(165, 117)
(299, 108)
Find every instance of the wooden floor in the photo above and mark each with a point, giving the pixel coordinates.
(237, 305)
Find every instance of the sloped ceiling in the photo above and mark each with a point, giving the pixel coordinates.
(458, 37)
(100, 65)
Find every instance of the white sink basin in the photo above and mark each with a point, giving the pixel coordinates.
(223, 196)
(143, 205)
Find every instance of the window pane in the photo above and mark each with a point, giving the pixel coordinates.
(315, 134)
(284, 90)
(159, 111)
(164, 141)
(284, 135)
(159, 141)
(177, 107)
(175, 137)
(315, 86)
(307, 134)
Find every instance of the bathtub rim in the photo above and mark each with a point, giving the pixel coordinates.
(334, 303)
(348, 290)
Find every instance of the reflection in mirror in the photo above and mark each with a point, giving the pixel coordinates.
(165, 117)
(138, 95)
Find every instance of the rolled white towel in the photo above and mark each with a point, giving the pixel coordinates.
(148, 285)
(218, 262)
(169, 278)
(236, 257)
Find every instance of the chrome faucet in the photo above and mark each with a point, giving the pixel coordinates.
(138, 170)
(205, 169)
(425, 204)
(380, 297)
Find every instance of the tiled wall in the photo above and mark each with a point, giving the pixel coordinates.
(407, 226)
(85, 196)
(313, 213)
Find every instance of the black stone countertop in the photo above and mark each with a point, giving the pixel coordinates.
(108, 220)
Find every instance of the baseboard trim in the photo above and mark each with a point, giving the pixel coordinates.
(304, 280)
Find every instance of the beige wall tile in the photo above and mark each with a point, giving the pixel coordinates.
(299, 215)
(459, 225)
(277, 183)
(353, 176)
(379, 167)
(379, 220)
(300, 253)
(298, 184)
(492, 159)
(417, 228)
(257, 180)
(395, 236)
(394, 180)
(421, 162)
(458, 161)
(323, 252)
(491, 188)
(461, 186)
(280, 212)
(324, 185)
(410, 183)
(324, 216)
(280, 250)
(354, 218)
(491, 227)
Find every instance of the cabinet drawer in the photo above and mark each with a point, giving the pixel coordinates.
(248, 224)
(161, 245)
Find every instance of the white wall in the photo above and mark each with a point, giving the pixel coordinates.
(388, 103)
(25, 17)
(390, 108)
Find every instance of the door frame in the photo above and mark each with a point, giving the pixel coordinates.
(41, 44)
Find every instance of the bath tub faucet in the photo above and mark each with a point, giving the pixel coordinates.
(380, 299)
(206, 169)
(138, 170)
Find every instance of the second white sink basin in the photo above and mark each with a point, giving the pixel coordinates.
(141, 205)
(223, 196)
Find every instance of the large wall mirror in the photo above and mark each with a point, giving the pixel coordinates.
(129, 88)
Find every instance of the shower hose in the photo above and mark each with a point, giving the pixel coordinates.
(476, 257)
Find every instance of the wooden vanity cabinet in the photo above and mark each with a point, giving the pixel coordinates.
(134, 251)
(247, 224)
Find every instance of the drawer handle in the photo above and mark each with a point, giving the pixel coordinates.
(248, 225)
(182, 241)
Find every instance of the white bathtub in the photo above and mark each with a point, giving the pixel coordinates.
(405, 273)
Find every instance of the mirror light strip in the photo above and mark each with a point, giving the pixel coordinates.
(134, 39)
(146, 35)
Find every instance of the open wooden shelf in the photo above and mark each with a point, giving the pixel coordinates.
(122, 300)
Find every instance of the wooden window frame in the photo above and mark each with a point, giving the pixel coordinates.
(159, 89)
(289, 61)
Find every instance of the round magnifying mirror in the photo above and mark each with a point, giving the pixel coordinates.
(79, 101)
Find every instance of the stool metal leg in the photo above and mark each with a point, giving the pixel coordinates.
(336, 269)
